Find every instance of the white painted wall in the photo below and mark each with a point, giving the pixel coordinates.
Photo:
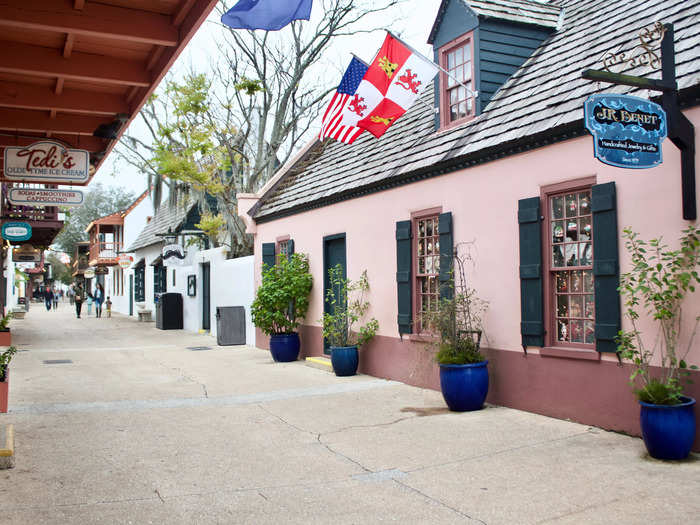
(12, 293)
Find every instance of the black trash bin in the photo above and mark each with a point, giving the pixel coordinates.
(169, 311)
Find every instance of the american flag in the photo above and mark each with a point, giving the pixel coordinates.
(333, 124)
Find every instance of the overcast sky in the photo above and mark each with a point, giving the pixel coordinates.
(414, 19)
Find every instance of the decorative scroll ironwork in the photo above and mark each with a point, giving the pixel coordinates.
(646, 53)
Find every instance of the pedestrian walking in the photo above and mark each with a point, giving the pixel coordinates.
(55, 299)
(71, 295)
(108, 307)
(48, 298)
(99, 299)
(78, 296)
(89, 303)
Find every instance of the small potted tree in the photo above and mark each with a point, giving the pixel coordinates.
(659, 282)
(5, 358)
(5, 334)
(281, 303)
(342, 326)
(457, 323)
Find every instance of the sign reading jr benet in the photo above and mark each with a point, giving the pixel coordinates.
(627, 131)
(47, 161)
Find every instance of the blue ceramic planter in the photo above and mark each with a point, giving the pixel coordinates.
(668, 430)
(284, 347)
(464, 387)
(345, 360)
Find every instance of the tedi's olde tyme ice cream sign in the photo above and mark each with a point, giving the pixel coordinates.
(627, 131)
(47, 161)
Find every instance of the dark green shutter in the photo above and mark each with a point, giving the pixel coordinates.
(446, 247)
(290, 248)
(531, 293)
(268, 253)
(606, 266)
(403, 276)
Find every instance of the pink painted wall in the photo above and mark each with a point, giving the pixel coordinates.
(483, 201)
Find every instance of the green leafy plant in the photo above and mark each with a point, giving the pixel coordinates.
(458, 319)
(5, 358)
(282, 299)
(658, 283)
(5, 321)
(342, 326)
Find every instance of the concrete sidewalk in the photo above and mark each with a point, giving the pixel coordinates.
(138, 428)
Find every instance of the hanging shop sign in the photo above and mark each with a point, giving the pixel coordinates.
(47, 161)
(89, 273)
(44, 197)
(16, 231)
(27, 254)
(173, 255)
(101, 270)
(627, 131)
(125, 261)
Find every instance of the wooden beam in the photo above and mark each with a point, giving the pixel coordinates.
(628, 80)
(24, 59)
(95, 19)
(79, 4)
(68, 46)
(35, 122)
(60, 81)
(182, 11)
(91, 144)
(29, 96)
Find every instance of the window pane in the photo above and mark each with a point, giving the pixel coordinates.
(562, 284)
(429, 228)
(467, 52)
(421, 265)
(421, 228)
(585, 228)
(450, 60)
(586, 254)
(453, 113)
(571, 255)
(462, 109)
(562, 305)
(558, 231)
(459, 55)
(421, 247)
(424, 285)
(576, 305)
(462, 93)
(585, 202)
(571, 230)
(571, 206)
(576, 328)
(470, 105)
(590, 307)
(588, 281)
(459, 72)
(589, 332)
(453, 96)
(557, 256)
(576, 282)
(558, 208)
(429, 268)
(562, 330)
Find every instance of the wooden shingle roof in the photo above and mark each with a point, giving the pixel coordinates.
(541, 103)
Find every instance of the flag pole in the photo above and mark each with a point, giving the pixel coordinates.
(475, 94)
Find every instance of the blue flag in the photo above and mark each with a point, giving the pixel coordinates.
(270, 15)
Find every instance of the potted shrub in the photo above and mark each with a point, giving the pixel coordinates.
(342, 326)
(281, 303)
(658, 283)
(5, 335)
(5, 358)
(457, 325)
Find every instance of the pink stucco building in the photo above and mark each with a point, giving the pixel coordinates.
(491, 169)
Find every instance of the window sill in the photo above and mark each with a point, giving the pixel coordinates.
(423, 338)
(570, 353)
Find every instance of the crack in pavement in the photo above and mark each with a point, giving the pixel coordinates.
(159, 496)
(437, 501)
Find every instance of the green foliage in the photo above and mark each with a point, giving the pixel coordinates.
(61, 272)
(283, 297)
(458, 320)
(99, 201)
(658, 283)
(250, 87)
(5, 358)
(5, 321)
(213, 225)
(348, 308)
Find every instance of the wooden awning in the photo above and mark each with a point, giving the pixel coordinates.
(79, 71)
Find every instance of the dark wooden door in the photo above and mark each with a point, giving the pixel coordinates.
(206, 301)
(131, 294)
(333, 254)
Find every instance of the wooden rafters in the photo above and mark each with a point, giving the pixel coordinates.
(26, 96)
(90, 144)
(94, 19)
(35, 122)
(24, 59)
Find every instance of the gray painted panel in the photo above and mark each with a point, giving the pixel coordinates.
(457, 21)
(230, 325)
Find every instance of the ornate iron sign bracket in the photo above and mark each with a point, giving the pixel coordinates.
(680, 130)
